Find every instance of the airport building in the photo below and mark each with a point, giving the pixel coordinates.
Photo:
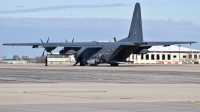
(1, 58)
(167, 55)
(56, 58)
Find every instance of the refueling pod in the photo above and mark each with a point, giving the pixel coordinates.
(67, 52)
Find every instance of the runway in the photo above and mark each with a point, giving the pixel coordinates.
(34, 87)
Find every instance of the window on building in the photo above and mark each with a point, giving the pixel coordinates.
(152, 57)
(184, 56)
(163, 56)
(190, 56)
(147, 56)
(174, 56)
(142, 56)
(168, 57)
(133, 56)
(158, 57)
(195, 56)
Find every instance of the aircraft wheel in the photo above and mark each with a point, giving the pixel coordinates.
(114, 64)
(93, 64)
(82, 64)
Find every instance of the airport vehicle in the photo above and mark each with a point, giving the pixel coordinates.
(113, 53)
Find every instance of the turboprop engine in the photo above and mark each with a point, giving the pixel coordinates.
(48, 49)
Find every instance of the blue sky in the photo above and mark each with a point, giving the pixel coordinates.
(88, 20)
(154, 9)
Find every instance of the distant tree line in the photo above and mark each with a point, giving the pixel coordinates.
(37, 59)
(40, 59)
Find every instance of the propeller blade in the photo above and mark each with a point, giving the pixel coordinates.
(73, 40)
(43, 52)
(66, 40)
(41, 41)
(48, 40)
(44, 46)
(51, 52)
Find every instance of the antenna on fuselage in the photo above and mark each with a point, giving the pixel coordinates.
(114, 39)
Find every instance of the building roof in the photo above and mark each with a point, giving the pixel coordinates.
(172, 48)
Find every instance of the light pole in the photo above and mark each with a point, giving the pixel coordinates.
(179, 52)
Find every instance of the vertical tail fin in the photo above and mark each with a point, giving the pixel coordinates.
(135, 33)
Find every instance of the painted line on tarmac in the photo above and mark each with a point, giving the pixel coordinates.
(195, 102)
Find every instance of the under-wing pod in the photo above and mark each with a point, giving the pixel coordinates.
(70, 52)
(92, 61)
(67, 52)
(62, 52)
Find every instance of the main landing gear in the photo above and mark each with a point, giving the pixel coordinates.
(46, 63)
(82, 63)
(114, 64)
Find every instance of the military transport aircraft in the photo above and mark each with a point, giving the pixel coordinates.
(113, 53)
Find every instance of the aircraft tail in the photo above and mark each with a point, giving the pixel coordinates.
(135, 32)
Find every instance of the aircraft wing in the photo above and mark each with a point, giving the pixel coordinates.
(167, 43)
(35, 45)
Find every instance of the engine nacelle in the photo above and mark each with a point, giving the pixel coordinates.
(49, 49)
(67, 52)
(62, 52)
(70, 52)
(144, 51)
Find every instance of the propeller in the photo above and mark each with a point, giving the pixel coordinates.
(67, 41)
(114, 39)
(44, 47)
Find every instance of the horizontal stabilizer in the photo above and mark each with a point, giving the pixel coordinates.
(167, 43)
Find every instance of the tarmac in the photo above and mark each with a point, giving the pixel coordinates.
(126, 88)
